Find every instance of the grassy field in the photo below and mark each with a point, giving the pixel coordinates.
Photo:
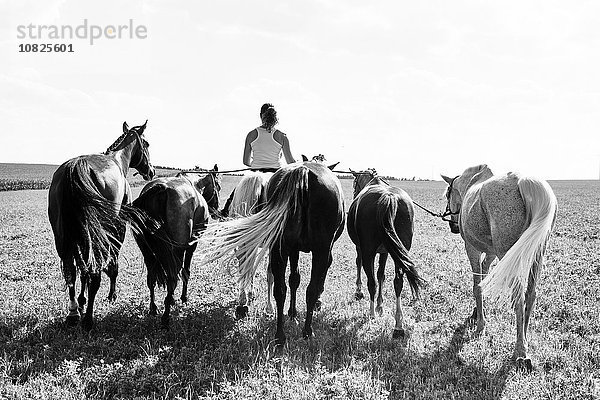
(208, 353)
(39, 176)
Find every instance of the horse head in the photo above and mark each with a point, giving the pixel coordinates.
(457, 188)
(211, 188)
(363, 179)
(140, 157)
(320, 158)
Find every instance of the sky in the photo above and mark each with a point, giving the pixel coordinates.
(413, 89)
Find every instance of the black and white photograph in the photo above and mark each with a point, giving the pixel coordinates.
(318, 199)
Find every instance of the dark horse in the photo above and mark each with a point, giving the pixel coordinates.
(380, 220)
(88, 210)
(181, 205)
(304, 212)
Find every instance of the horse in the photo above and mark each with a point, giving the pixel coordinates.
(88, 209)
(249, 197)
(380, 221)
(304, 212)
(181, 205)
(509, 217)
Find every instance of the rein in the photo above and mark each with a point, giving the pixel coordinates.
(444, 216)
(202, 171)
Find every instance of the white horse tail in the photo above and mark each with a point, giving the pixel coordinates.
(508, 280)
(249, 239)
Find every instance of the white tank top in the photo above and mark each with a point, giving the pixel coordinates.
(266, 151)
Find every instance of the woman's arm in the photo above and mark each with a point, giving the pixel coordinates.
(247, 157)
(285, 144)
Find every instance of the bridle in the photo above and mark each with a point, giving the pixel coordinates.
(214, 183)
(145, 156)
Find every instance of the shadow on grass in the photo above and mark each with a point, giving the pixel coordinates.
(127, 355)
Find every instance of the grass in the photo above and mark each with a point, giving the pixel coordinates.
(207, 353)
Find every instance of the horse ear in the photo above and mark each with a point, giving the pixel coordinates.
(448, 180)
(332, 166)
(304, 158)
(142, 128)
(125, 127)
(352, 172)
(215, 168)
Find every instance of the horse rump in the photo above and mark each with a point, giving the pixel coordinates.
(158, 249)
(86, 225)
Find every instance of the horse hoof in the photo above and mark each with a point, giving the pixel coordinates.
(398, 334)
(184, 299)
(241, 312)
(280, 342)
(112, 298)
(318, 306)
(72, 320)
(524, 364)
(153, 312)
(87, 324)
(307, 333)
(359, 296)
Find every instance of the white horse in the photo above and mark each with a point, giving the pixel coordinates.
(249, 197)
(509, 217)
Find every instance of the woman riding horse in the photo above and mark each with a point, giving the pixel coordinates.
(264, 147)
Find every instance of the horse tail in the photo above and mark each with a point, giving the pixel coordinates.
(89, 221)
(152, 238)
(510, 276)
(249, 239)
(387, 209)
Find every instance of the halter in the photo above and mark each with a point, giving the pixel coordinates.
(212, 177)
(214, 182)
(449, 212)
(145, 156)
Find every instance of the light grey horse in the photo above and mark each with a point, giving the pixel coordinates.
(509, 217)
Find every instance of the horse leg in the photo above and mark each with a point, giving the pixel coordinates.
(185, 276)
(380, 278)
(475, 260)
(242, 309)
(522, 359)
(269, 306)
(368, 261)
(93, 285)
(245, 298)
(321, 260)
(169, 301)
(70, 274)
(358, 295)
(398, 285)
(520, 352)
(294, 282)
(151, 282)
(278, 264)
(83, 278)
(112, 270)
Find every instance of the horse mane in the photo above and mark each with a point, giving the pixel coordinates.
(117, 143)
